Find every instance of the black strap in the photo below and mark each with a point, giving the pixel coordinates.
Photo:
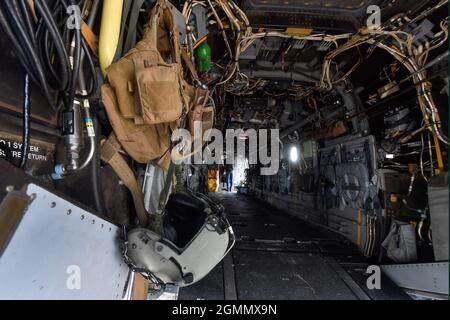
(130, 40)
(125, 12)
(167, 183)
(130, 16)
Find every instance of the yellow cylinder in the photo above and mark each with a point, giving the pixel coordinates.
(109, 32)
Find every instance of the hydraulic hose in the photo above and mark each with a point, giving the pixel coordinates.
(52, 29)
(52, 55)
(49, 51)
(81, 83)
(95, 172)
(75, 57)
(94, 80)
(86, 55)
(28, 20)
(19, 36)
(80, 52)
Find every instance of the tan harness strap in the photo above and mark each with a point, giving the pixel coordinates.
(189, 65)
(90, 37)
(110, 154)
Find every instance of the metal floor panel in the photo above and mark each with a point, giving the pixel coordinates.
(278, 256)
(287, 276)
(209, 288)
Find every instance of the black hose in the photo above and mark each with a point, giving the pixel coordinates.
(49, 51)
(93, 87)
(76, 66)
(48, 27)
(28, 21)
(31, 59)
(45, 52)
(95, 171)
(26, 124)
(52, 29)
(9, 32)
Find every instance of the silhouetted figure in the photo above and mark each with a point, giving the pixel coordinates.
(202, 181)
(229, 178)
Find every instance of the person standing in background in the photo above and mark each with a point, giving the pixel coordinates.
(229, 174)
(202, 179)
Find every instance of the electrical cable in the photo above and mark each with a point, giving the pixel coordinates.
(93, 143)
(52, 52)
(48, 28)
(94, 79)
(49, 50)
(9, 32)
(10, 21)
(25, 124)
(95, 172)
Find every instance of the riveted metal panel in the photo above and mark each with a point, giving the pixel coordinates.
(60, 251)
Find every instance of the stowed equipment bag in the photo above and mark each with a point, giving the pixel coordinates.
(146, 94)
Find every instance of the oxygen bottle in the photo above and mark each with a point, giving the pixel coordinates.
(203, 57)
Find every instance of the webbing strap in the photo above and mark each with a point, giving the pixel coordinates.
(130, 39)
(167, 183)
(170, 171)
(90, 37)
(125, 12)
(189, 65)
(110, 154)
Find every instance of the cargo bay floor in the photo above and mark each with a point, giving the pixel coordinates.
(278, 256)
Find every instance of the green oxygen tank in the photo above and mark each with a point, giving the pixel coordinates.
(203, 57)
